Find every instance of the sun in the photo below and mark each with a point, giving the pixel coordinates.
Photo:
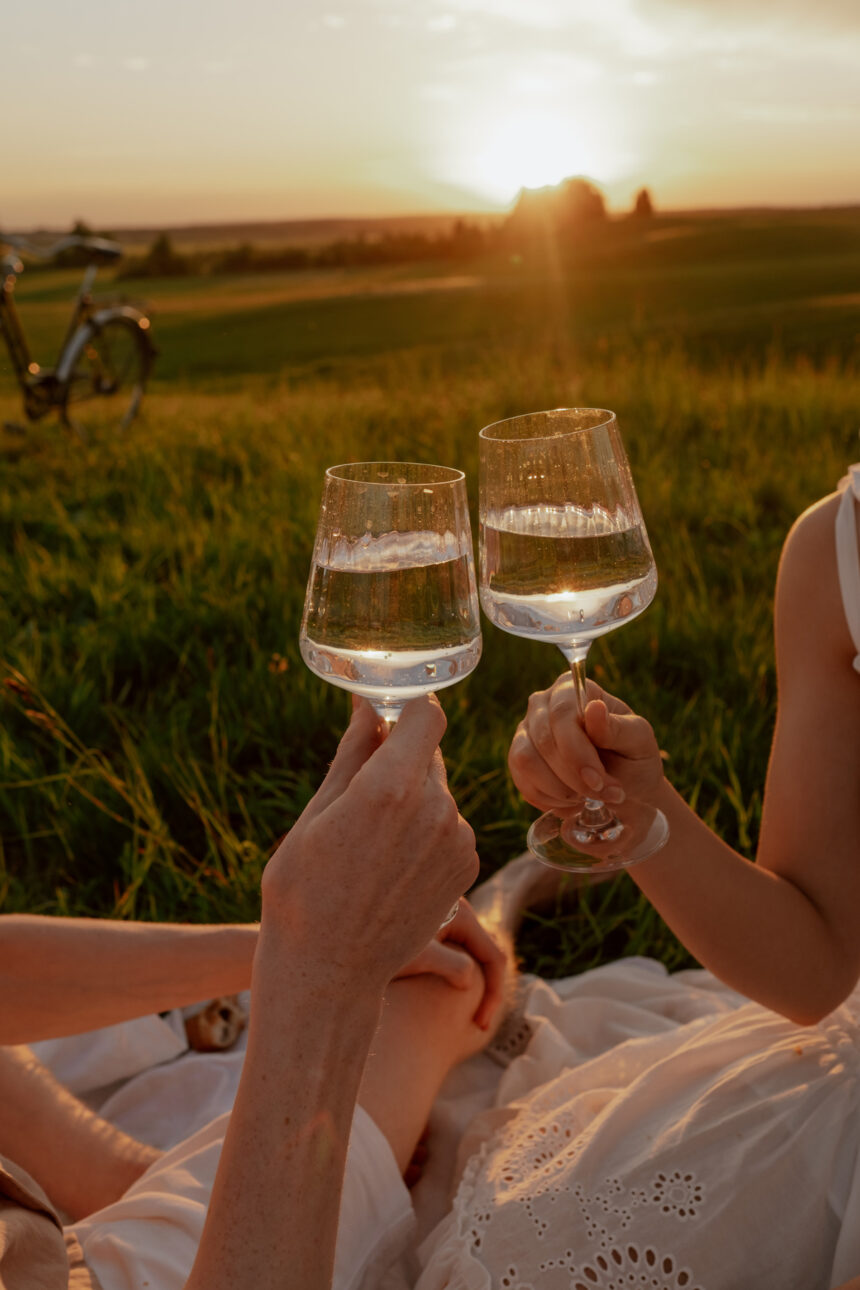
(529, 150)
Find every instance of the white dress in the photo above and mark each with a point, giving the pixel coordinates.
(715, 1148)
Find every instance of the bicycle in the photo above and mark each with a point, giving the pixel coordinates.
(107, 353)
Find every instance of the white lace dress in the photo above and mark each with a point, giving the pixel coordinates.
(703, 1142)
(716, 1154)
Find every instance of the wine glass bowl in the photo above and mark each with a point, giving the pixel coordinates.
(391, 610)
(565, 557)
(564, 551)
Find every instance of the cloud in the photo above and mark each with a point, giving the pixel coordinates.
(442, 22)
(439, 92)
(842, 14)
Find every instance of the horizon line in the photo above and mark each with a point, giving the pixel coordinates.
(258, 222)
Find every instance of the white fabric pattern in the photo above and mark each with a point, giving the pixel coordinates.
(713, 1153)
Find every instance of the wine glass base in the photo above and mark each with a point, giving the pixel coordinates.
(560, 844)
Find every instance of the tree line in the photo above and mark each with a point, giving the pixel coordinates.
(563, 214)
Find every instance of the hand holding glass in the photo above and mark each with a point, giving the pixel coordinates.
(391, 610)
(565, 557)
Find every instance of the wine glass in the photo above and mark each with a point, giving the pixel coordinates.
(391, 610)
(565, 557)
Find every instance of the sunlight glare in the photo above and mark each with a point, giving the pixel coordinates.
(528, 150)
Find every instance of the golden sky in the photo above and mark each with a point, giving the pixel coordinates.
(180, 111)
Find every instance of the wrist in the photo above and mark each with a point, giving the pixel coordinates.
(309, 968)
(301, 1016)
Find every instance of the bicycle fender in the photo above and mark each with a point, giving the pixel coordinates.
(91, 328)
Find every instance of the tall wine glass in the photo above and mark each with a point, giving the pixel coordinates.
(391, 609)
(565, 557)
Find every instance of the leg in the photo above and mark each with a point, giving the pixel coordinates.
(426, 1030)
(524, 883)
(80, 1160)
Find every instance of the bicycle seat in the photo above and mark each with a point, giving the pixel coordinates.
(100, 250)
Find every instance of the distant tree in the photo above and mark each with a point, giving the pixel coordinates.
(238, 259)
(162, 261)
(466, 240)
(562, 210)
(643, 207)
(582, 202)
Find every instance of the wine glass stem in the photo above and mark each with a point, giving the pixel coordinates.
(576, 656)
(595, 814)
(388, 713)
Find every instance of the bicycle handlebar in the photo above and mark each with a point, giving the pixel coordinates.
(101, 247)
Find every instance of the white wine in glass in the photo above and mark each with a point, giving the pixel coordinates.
(565, 558)
(391, 610)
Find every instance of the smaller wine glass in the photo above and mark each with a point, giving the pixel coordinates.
(391, 610)
(565, 558)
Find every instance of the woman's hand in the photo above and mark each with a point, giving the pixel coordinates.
(451, 955)
(377, 858)
(611, 754)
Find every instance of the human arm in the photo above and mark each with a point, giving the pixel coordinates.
(112, 970)
(376, 860)
(783, 930)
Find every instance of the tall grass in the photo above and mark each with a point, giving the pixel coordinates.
(157, 726)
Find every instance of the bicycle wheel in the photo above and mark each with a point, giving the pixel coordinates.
(107, 363)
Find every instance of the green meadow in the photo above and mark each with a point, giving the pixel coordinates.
(158, 729)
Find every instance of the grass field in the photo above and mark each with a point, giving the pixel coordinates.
(160, 728)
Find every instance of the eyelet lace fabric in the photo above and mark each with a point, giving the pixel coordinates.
(715, 1156)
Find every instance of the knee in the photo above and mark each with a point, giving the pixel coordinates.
(447, 1008)
(437, 999)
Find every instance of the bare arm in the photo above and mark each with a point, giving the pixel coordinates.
(114, 971)
(782, 931)
(377, 859)
(272, 1221)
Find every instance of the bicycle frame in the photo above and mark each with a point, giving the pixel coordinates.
(10, 323)
(38, 385)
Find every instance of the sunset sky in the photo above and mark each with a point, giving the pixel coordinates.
(182, 111)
